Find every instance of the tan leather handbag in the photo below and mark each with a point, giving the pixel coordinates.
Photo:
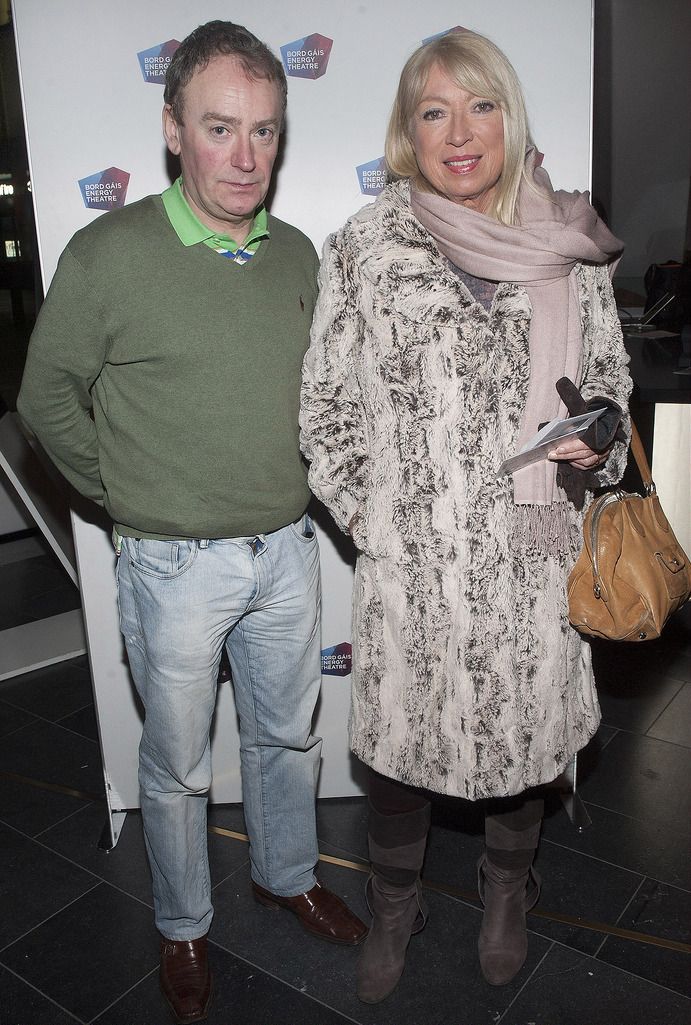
(632, 573)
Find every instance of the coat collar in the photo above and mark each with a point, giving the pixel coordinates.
(403, 261)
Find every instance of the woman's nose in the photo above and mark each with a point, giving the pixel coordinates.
(460, 130)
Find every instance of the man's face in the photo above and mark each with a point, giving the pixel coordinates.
(227, 144)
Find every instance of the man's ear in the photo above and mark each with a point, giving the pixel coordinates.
(171, 130)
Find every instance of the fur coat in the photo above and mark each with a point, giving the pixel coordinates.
(467, 677)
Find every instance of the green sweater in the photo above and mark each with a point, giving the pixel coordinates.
(164, 380)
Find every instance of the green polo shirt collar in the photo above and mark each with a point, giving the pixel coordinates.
(191, 231)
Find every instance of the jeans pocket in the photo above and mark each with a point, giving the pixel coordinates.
(304, 529)
(163, 559)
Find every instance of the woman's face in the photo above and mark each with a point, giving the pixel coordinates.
(458, 140)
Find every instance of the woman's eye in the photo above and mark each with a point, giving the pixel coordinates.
(485, 106)
(433, 114)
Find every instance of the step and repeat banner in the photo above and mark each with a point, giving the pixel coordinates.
(92, 78)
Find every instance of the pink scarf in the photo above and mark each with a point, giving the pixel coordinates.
(557, 230)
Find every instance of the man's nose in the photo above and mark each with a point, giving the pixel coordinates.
(243, 154)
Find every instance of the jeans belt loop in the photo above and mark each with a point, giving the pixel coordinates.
(203, 542)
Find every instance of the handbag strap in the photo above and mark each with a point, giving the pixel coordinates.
(641, 460)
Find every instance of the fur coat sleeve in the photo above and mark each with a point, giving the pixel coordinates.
(605, 361)
(333, 432)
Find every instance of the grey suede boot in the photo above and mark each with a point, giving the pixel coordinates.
(394, 896)
(507, 893)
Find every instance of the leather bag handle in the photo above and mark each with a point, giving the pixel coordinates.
(641, 459)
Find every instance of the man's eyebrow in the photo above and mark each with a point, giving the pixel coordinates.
(228, 119)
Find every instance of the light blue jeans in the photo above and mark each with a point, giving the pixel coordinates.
(180, 602)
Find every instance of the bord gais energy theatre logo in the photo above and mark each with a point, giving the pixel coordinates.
(372, 176)
(337, 661)
(105, 190)
(154, 62)
(438, 35)
(308, 57)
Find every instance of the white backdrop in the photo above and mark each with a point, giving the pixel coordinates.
(91, 114)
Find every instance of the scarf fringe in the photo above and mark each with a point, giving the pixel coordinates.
(543, 528)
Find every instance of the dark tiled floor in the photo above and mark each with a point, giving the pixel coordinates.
(77, 941)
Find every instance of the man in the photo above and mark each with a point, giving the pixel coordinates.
(163, 379)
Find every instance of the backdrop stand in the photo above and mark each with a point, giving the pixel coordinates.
(56, 638)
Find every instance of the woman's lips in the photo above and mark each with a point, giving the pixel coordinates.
(462, 165)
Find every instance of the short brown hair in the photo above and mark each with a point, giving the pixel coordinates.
(220, 38)
(477, 65)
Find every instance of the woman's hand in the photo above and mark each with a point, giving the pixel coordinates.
(576, 453)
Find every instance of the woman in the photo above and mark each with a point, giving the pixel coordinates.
(448, 311)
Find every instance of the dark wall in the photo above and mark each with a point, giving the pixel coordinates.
(642, 127)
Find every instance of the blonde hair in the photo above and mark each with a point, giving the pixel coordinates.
(479, 67)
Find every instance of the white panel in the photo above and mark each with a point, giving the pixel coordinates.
(671, 467)
(42, 643)
(88, 108)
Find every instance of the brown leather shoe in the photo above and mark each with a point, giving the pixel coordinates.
(319, 911)
(185, 978)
